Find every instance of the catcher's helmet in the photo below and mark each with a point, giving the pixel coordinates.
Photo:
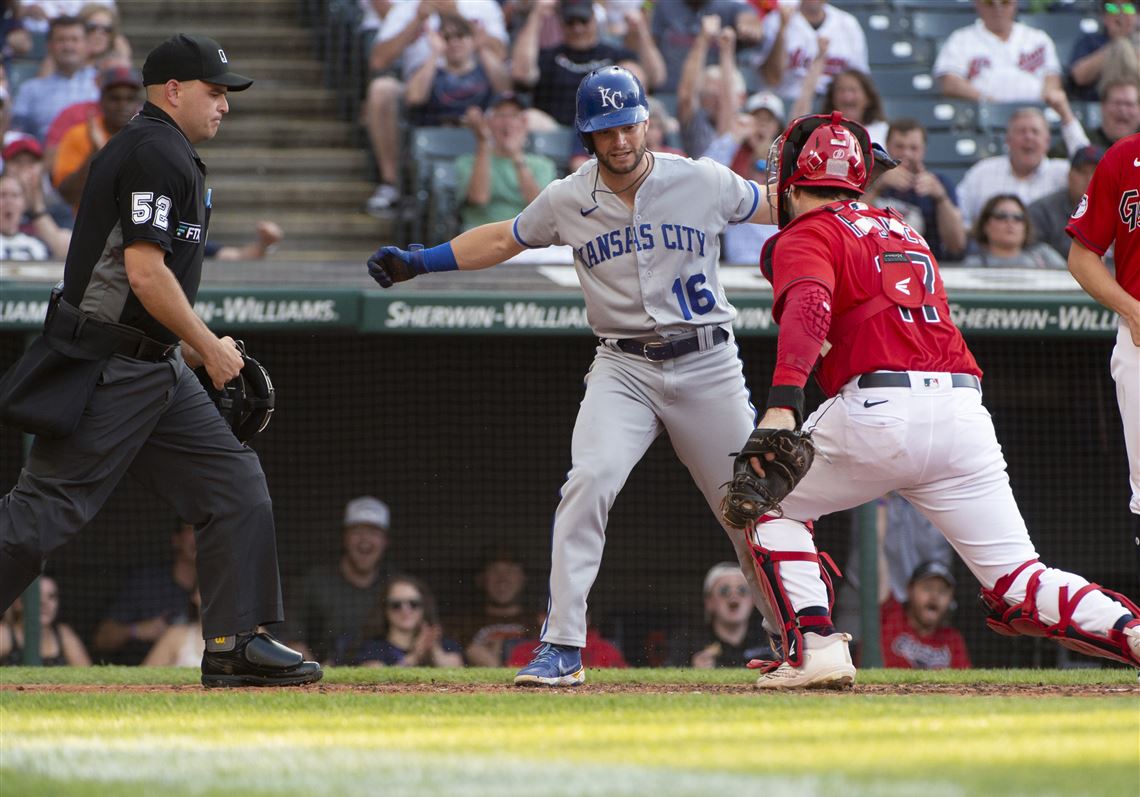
(608, 97)
(822, 150)
(245, 402)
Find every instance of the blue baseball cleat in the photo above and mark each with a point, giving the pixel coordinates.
(553, 665)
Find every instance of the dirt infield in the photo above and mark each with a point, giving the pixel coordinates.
(980, 690)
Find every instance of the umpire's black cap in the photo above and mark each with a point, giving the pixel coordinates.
(188, 56)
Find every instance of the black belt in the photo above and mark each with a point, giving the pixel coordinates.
(77, 329)
(146, 349)
(902, 379)
(658, 350)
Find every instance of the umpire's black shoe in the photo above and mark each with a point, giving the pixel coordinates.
(255, 660)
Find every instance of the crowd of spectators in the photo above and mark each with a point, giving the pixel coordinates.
(726, 75)
(67, 84)
(360, 609)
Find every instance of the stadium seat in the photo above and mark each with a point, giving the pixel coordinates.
(1064, 27)
(935, 114)
(995, 116)
(554, 144)
(1088, 113)
(443, 205)
(892, 48)
(937, 25)
(958, 149)
(905, 83)
(429, 148)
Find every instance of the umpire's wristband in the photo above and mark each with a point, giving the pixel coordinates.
(440, 258)
(788, 397)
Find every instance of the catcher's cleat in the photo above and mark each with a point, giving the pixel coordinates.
(1132, 634)
(553, 665)
(255, 660)
(827, 665)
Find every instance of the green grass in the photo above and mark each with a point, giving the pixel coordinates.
(584, 742)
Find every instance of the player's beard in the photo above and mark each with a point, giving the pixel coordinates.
(612, 169)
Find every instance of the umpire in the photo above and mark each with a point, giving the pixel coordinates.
(108, 389)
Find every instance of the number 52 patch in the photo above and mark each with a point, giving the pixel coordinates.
(144, 207)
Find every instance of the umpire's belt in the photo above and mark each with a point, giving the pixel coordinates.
(658, 350)
(902, 379)
(73, 329)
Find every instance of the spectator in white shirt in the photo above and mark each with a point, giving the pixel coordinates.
(1024, 172)
(791, 42)
(997, 59)
(15, 244)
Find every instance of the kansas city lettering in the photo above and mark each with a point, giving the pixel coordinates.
(641, 238)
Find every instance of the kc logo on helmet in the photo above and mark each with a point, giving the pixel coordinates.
(611, 97)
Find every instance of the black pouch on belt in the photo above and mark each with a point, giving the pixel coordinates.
(47, 389)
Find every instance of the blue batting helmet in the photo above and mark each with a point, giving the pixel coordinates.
(608, 97)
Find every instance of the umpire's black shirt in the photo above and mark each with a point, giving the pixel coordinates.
(146, 184)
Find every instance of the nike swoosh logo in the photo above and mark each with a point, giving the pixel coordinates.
(868, 403)
(585, 212)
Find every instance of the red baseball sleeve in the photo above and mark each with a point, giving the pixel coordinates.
(1093, 223)
(804, 323)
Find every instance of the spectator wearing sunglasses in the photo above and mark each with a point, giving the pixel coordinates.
(1104, 55)
(731, 635)
(106, 44)
(403, 630)
(1002, 233)
(997, 59)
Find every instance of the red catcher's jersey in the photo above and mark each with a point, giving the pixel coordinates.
(1110, 211)
(842, 246)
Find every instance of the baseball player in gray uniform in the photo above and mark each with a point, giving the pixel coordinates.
(644, 228)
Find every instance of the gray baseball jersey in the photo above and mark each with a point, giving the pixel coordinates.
(647, 272)
(652, 271)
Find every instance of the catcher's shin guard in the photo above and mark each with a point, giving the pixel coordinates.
(792, 625)
(1022, 619)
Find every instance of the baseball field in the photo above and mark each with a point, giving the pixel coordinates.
(130, 731)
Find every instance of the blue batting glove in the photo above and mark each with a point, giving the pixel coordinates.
(391, 264)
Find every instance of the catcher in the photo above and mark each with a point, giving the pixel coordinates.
(858, 292)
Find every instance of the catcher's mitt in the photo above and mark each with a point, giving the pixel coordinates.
(246, 402)
(750, 495)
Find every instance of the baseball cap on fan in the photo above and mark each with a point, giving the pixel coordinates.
(189, 56)
(367, 511)
(577, 9)
(933, 569)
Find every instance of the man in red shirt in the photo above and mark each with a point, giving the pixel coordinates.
(1108, 215)
(857, 285)
(915, 634)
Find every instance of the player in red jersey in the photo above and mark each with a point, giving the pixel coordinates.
(857, 285)
(1108, 215)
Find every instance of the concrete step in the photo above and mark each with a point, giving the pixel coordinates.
(237, 225)
(300, 161)
(181, 15)
(285, 193)
(244, 129)
(241, 38)
(285, 100)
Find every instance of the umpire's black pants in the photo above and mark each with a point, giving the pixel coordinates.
(156, 421)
